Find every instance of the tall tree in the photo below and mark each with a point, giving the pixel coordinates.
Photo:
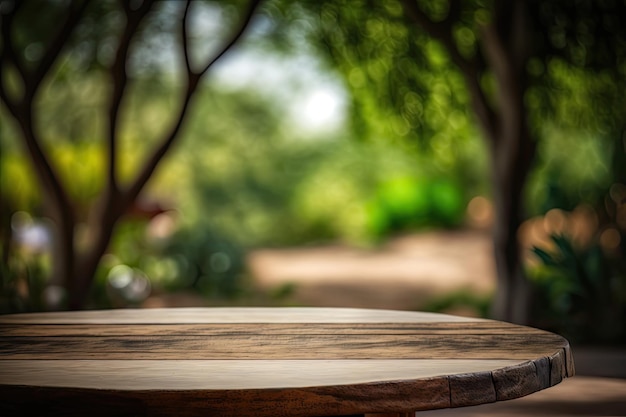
(506, 46)
(29, 56)
(503, 51)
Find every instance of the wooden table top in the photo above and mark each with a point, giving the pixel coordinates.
(267, 362)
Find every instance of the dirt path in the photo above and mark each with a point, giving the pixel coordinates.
(403, 274)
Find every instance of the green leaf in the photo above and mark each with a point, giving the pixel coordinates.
(545, 257)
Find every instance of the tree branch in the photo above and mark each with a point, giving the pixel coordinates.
(8, 53)
(228, 44)
(487, 118)
(53, 188)
(4, 96)
(496, 53)
(53, 50)
(185, 41)
(119, 77)
(9, 57)
(22, 112)
(454, 12)
(507, 53)
(442, 31)
(151, 163)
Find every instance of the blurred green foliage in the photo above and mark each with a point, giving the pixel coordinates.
(244, 177)
(195, 259)
(23, 279)
(580, 292)
(410, 203)
(580, 288)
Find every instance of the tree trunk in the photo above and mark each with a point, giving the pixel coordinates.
(512, 299)
(506, 44)
(64, 260)
(101, 225)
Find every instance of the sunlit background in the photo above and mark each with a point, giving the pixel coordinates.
(294, 183)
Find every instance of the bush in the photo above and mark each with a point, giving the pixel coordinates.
(410, 203)
(580, 292)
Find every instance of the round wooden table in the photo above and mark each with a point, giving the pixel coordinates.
(267, 362)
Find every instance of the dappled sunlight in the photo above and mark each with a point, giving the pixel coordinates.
(127, 286)
(33, 236)
(162, 226)
(580, 225)
(610, 239)
(480, 212)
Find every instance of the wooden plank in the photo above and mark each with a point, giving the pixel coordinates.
(382, 397)
(469, 328)
(557, 367)
(317, 346)
(471, 389)
(154, 403)
(228, 315)
(542, 368)
(178, 375)
(516, 381)
(569, 361)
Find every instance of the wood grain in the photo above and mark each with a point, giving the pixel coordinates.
(176, 375)
(281, 346)
(262, 362)
(215, 329)
(230, 315)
